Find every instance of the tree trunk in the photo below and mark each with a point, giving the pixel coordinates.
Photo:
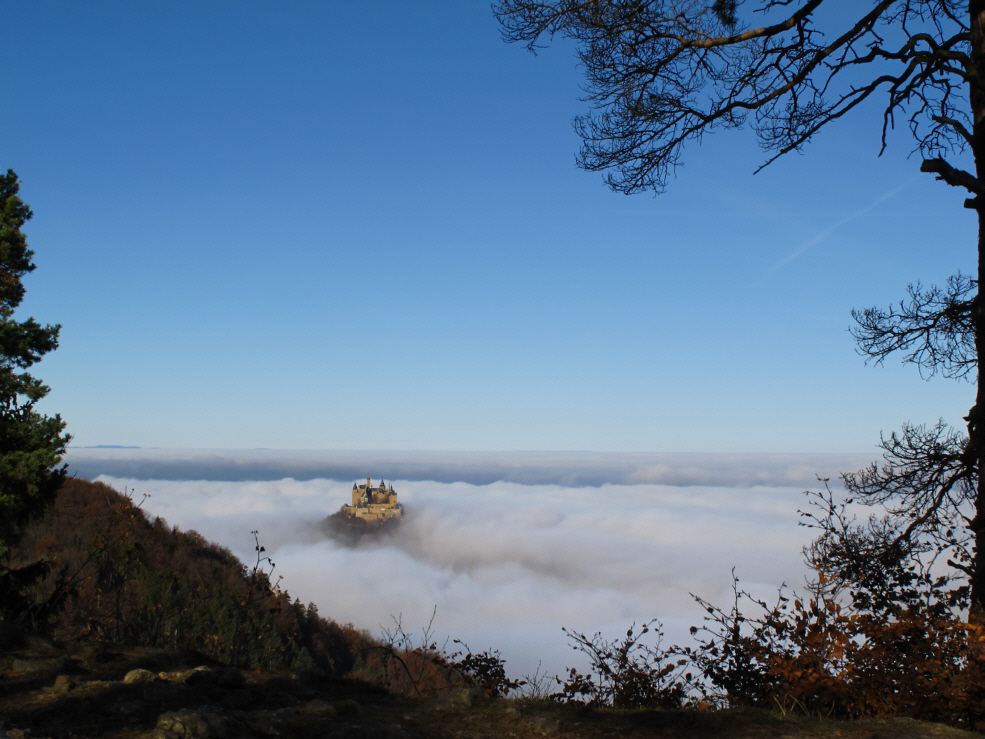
(976, 430)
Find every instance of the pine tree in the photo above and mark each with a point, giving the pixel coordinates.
(31, 444)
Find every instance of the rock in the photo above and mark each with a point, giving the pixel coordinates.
(139, 676)
(187, 724)
(25, 665)
(64, 684)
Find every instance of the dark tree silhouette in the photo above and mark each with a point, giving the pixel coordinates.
(31, 444)
(661, 73)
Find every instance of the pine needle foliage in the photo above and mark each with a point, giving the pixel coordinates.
(31, 443)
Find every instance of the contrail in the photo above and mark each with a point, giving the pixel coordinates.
(823, 235)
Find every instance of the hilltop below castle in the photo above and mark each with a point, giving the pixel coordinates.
(374, 512)
(373, 504)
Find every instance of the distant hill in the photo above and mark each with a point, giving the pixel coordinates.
(350, 530)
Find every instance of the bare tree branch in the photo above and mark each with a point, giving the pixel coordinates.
(662, 72)
(934, 329)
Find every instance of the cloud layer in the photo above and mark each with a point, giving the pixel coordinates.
(508, 564)
(568, 469)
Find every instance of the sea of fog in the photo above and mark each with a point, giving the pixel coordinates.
(504, 549)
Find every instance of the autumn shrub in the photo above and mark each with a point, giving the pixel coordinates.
(882, 630)
(412, 664)
(406, 663)
(632, 672)
(486, 671)
(823, 656)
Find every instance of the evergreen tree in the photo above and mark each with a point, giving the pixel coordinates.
(31, 444)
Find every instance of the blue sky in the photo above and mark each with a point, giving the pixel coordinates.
(359, 226)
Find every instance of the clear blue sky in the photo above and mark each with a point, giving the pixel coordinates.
(359, 226)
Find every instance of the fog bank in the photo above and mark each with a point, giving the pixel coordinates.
(508, 564)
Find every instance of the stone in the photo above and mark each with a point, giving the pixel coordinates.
(139, 676)
(25, 665)
(64, 684)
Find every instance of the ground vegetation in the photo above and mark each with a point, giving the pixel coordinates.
(119, 576)
(139, 693)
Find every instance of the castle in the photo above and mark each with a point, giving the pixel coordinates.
(373, 504)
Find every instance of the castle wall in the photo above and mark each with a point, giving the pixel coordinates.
(373, 504)
(373, 512)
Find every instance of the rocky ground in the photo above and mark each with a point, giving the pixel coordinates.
(92, 690)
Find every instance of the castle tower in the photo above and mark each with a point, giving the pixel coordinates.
(372, 503)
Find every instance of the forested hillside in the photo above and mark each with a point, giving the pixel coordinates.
(117, 575)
